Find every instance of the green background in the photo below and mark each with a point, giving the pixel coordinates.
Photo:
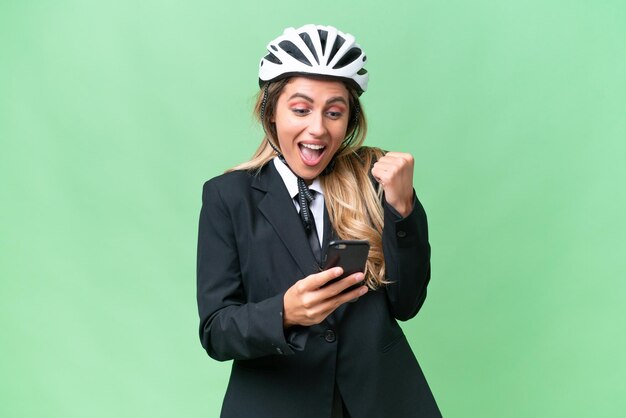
(112, 114)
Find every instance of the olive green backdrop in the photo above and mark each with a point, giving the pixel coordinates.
(112, 114)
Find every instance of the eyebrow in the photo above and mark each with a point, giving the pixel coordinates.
(329, 101)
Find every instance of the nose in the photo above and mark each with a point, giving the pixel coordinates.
(317, 125)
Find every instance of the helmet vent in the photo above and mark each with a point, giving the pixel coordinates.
(293, 50)
(273, 58)
(307, 40)
(323, 36)
(336, 46)
(350, 56)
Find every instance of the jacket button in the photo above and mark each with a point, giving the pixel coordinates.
(401, 234)
(329, 336)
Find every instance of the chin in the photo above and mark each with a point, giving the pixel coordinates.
(309, 175)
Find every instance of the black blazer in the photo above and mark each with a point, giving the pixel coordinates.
(251, 249)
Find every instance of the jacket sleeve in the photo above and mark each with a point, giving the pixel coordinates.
(407, 260)
(230, 326)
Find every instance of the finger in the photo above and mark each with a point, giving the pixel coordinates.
(399, 155)
(394, 164)
(383, 174)
(352, 295)
(317, 280)
(339, 286)
(385, 168)
(331, 304)
(392, 167)
(389, 162)
(394, 154)
(382, 168)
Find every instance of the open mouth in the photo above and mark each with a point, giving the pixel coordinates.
(311, 154)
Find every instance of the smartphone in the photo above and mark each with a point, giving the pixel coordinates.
(351, 255)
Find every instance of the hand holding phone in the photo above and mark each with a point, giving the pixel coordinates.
(350, 255)
(304, 304)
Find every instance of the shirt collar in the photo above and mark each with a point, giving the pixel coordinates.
(291, 181)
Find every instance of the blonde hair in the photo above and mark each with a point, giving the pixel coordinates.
(352, 201)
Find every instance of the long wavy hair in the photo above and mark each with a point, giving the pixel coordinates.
(351, 197)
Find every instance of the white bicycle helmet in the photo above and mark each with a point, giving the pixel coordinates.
(316, 50)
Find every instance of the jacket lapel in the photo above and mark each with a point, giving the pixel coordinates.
(279, 210)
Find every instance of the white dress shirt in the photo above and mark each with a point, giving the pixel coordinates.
(316, 206)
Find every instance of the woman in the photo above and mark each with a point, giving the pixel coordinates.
(299, 349)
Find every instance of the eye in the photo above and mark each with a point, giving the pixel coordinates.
(334, 114)
(300, 111)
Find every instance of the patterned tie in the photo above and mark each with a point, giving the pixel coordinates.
(304, 198)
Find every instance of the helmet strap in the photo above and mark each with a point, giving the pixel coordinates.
(264, 102)
(262, 114)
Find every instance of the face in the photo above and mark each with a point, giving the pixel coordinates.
(311, 120)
